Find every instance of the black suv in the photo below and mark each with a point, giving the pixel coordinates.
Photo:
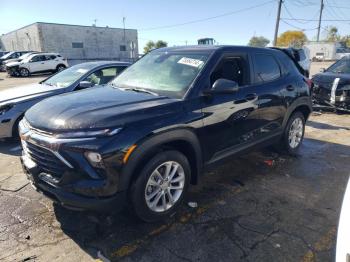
(147, 136)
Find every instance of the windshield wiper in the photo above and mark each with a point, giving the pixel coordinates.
(141, 90)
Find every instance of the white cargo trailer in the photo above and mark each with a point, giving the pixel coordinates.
(320, 51)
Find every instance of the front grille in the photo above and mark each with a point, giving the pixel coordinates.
(45, 159)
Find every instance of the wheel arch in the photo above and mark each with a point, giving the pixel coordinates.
(182, 140)
(303, 105)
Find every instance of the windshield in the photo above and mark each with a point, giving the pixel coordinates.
(6, 56)
(67, 76)
(164, 73)
(342, 66)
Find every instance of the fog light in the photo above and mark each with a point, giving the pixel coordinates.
(93, 157)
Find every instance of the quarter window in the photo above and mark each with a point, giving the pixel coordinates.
(266, 68)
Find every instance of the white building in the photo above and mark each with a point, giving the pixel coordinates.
(75, 42)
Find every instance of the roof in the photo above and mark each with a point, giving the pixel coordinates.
(90, 26)
(102, 63)
(212, 48)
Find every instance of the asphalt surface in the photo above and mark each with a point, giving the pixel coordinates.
(263, 206)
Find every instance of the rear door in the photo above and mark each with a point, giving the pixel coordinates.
(269, 81)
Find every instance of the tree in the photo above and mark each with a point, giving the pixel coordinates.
(149, 46)
(161, 43)
(331, 34)
(258, 41)
(345, 40)
(153, 45)
(292, 39)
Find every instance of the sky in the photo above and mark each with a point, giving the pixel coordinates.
(181, 22)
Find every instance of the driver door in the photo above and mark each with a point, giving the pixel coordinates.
(230, 119)
(37, 63)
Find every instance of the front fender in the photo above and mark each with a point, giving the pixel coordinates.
(148, 146)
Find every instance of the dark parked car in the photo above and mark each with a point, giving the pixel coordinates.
(10, 55)
(15, 101)
(142, 140)
(332, 87)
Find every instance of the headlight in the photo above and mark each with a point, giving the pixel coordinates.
(5, 108)
(95, 133)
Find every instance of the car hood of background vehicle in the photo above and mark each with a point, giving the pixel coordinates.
(27, 92)
(94, 108)
(13, 63)
(326, 80)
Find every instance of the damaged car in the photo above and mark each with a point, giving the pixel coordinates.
(331, 88)
(14, 102)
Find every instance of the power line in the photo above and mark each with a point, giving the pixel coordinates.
(297, 27)
(207, 18)
(326, 20)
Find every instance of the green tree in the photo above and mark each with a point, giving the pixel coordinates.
(161, 43)
(292, 39)
(331, 34)
(149, 46)
(346, 40)
(258, 41)
(153, 45)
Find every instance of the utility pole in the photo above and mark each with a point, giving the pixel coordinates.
(319, 21)
(124, 26)
(277, 22)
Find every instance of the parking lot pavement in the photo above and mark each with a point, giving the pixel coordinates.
(317, 66)
(259, 207)
(8, 81)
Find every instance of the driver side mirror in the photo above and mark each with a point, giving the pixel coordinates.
(85, 84)
(223, 86)
(322, 70)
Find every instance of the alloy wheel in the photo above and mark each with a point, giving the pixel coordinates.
(165, 186)
(296, 132)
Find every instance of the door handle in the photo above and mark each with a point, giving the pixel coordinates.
(250, 97)
(290, 88)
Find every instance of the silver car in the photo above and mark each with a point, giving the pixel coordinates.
(14, 102)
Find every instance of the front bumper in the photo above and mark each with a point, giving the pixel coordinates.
(71, 200)
(339, 99)
(59, 169)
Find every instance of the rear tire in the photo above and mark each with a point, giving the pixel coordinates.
(293, 134)
(24, 72)
(161, 186)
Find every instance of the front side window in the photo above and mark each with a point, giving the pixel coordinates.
(230, 68)
(164, 73)
(266, 68)
(38, 58)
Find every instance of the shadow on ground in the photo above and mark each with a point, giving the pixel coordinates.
(258, 207)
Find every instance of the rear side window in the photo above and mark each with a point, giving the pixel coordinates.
(266, 68)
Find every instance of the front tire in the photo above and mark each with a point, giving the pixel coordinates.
(161, 186)
(60, 68)
(24, 72)
(294, 133)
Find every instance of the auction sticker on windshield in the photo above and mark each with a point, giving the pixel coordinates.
(190, 62)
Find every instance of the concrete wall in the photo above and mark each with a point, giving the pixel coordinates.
(99, 43)
(23, 39)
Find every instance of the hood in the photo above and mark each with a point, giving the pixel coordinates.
(12, 60)
(94, 108)
(326, 80)
(27, 92)
(13, 63)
